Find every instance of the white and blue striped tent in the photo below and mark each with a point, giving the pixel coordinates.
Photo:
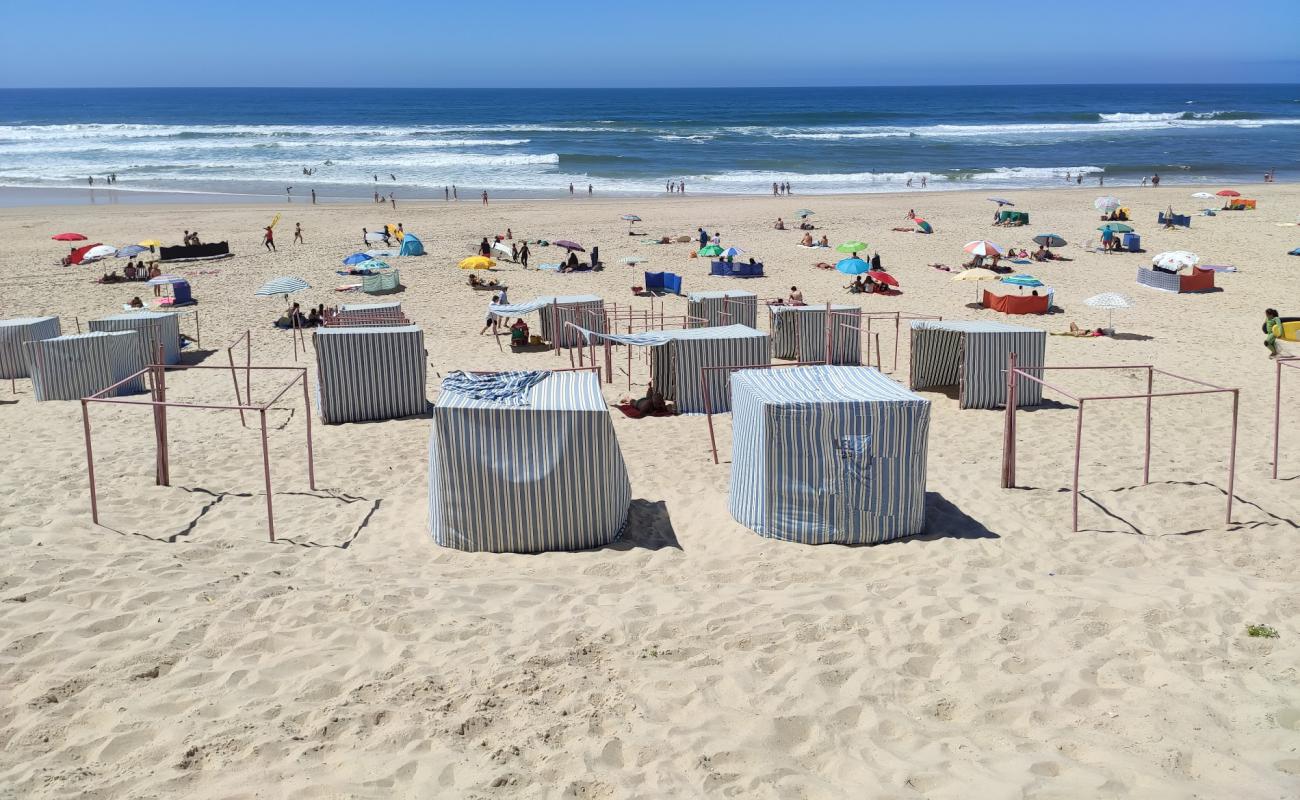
(542, 472)
(154, 327)
(14, 333)
(677, 358)
(799, 333)
(827, 454)
(379, 309)
(80, 364)
(583, 310)
(973, 357)
(370, 373)
(724, 308)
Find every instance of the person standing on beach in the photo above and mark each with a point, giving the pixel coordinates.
(392, 200)
(1101, 179)
(924, 179)
(90, 180)
(1144, 181)
(313, 197)
(446, 194)
(491, 321)
(704, 237)
(485, 197)
(1155, 179)
(1272, 327)
(297, 233)
(365, 237)
(681, 187)
(454, 196)
(589, 190)
(1078, 179)
(570, 190)
(268, 239)
(523, 255)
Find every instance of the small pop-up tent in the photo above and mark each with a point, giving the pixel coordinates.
(525, 462)
(80, 364)
(411, 245)
(14, 333)
(370, 373)
(827, 455)
(724, 308)
(973, 357)
(154, 327)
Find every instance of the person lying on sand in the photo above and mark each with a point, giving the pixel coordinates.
(1075, 330)
(904, 230)
(943, 267)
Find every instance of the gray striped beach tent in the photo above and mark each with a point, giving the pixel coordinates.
(799, 333)
(154, 328)
(973, 357)
(583, 310)
(80, 364)
(14, 333)
(541, 472)
(724, 308)
(378, 309)
(677, 358)
(827, 454)
(370, 373)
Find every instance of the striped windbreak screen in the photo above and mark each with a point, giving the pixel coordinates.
(370, 373)
(546, 475)
(74, 366)
(828, 455)
(14, 333)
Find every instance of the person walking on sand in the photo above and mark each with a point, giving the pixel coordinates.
(485, 197)
(1155, 180)
(392, 200)
(446, 194)
(268, 239)
(454, 196)
(1272, 327)
(523, 255)
(313, 197)
(589, 190)
(365, 237)
(491, 321)
(297, 233)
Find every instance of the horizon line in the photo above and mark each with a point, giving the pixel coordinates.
(664, 88)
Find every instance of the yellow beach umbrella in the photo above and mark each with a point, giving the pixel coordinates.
(977, 274)
(150, 243)
(477, 262)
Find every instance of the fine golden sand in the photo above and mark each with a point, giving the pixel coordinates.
(176, 652)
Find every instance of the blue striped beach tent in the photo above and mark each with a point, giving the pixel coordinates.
(799, 333)
(154, 328)
(525, 463)
(973, 357)
(583, 310)
(14, 333)
(677, 358)
(80, 364)
(827, 454)
(370, 373)
(724, 308)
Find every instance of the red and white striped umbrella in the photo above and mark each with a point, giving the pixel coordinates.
(983, 248)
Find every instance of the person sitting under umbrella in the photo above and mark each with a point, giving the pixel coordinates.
(857, 286)
(571, 263)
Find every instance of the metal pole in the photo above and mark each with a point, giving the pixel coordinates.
(1009, 428)
(266, 472)
(248, 368)
(198, 330)
(1078, 447)
(708, 412)
(311, 458)
(234, 378)
(165, 449)
(90, 461)
(1277, 415)
(1146, 453)
(896, 321)
(1232, 454)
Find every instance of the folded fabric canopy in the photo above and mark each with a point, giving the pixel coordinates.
(508, 388)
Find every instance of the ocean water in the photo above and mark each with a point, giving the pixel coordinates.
(720, 141)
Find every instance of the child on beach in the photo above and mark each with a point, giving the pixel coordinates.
(1272, 327)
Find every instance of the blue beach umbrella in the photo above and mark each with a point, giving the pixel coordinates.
(853, 266)
(1022, 280)
(732, 252)
(131, 251)
(356, 258)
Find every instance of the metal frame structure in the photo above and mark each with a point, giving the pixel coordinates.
(1015, 374)
(1294, 363)
(660, 324)
(158, 402)
(897, 317)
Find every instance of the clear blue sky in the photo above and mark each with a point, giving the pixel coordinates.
(514, 43)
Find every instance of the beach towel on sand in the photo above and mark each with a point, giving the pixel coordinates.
(507, 388)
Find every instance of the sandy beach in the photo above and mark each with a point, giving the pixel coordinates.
(175, 651)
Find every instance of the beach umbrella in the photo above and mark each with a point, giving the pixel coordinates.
(1049, 240)
(1176, 259)
(1202, 195)
(981, 247)
(709, 250)
(804, 212)
(163, 280)
(1110, 301)
(1116, 227)
(130, 251)
(68, 237)
(1022, 280)
(150, 243)
(923, 226)
(99, 251)
(1228, 193)
(285, 285)
(732, 252)
(376, 264)
(883, 277)
(356, 258)
(1106, 204)
(568, 245)
(630, 219)
(1001, 201)
(974, 275)
(477, 262)
(852, 247)
(632, 261)
(853, 266)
